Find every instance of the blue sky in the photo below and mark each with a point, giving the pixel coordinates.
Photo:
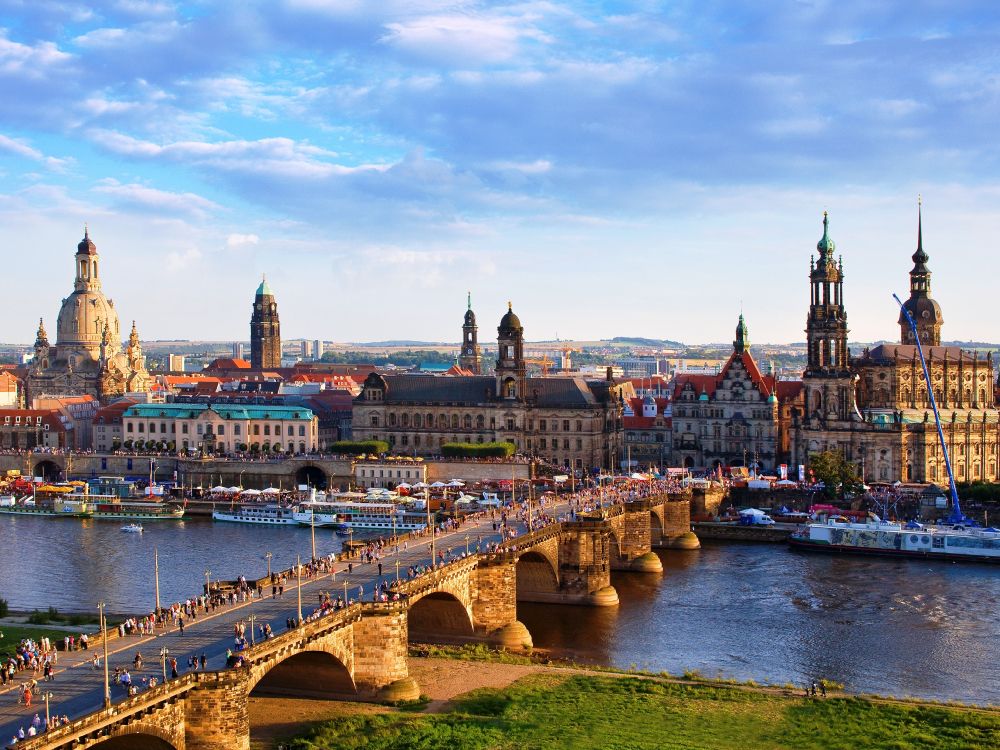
(614, 168)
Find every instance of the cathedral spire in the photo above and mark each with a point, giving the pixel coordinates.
(41, 337)
(742, 342)
(133, 337)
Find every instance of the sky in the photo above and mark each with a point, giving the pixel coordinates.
(611, 168)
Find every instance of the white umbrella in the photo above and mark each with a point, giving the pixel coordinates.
(456, 483)
(438, 484)
(404, 485)
(232, 489)
(271, 491)
(420, 485)
(218, 489)
(251, 492)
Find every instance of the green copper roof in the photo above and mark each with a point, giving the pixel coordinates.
(226, 411)
(264, 290)
(826, 245)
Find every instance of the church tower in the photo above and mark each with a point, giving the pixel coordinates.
(828, 381)
(265, 330)
(510, 369)
(471, 357)
(926, 311)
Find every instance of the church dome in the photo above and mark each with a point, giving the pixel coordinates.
(264, 290)
(923, 309)
(82, 318)
(86, 246)
(470, 318)
(826, 245)
(510, 321)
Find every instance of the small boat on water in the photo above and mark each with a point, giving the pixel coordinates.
(132, 528)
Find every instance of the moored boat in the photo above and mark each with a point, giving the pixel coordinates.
(346, 515)
(877, 537)
(269, 514)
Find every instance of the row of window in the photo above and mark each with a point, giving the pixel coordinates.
(468, 422)
(220, 429)
(17, 420)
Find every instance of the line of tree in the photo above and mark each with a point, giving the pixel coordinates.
(839, 476)
(478, 450)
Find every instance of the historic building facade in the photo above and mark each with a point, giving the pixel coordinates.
(222, 427)
(87, 358)
(874, 408)
(265, 330)
(569, 421)
(471, 356)
(733, 418)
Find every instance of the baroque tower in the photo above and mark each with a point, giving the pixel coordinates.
(926, 311)
(471, 357)
(510, 370)
(742, 342)
(265, 330)
(828, 380)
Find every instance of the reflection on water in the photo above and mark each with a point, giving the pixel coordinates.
(740, 610)
(765, 613)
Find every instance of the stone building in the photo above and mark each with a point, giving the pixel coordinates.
(570, 421)
(27, 429)
(265, 330)
(223, 427)
(471, 357)
(732, 418)
(648, 431)
(87, 358)
(874, 408)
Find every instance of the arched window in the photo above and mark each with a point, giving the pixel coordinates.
(392, 419)
(454, 421)
(405, 420)
(480, 422)
(417, 421)
(467, 422)
(430, 421)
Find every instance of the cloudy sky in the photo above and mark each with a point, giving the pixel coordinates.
(614, 168)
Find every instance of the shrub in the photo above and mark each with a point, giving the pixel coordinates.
(4, 608)
(478, 450)
(357, 447)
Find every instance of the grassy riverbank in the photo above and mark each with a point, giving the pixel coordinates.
(14, 634)
(559, 708)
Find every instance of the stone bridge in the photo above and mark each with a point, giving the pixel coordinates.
(359, 653)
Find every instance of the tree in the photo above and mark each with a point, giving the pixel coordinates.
(838, 475)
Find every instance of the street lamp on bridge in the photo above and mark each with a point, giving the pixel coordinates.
(164, 653)
(268, 556)
(104, 634)
(208, 582)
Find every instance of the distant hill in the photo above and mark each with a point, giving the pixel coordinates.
(401, 342)
(652, 343)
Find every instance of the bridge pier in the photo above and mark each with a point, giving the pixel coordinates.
(635, 551)
(217, 714)
(380, 649)
(585, 564)
(494, 603)
(677, 532)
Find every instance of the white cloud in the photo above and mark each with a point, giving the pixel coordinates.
(239, 240)
(181, 260)
(461, 38)
(19, 147)
(32, 61)
(159, 201)
(538, 166)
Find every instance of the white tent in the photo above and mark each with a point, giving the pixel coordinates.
(271, 491)
(250, 492)
(420, 485)
(404, 486)
(456, 483)
(438, 484)
(232, 489)
(217, 490)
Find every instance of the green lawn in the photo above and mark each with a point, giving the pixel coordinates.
(607, 713)
(14, 634)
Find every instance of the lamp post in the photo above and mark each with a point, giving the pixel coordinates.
(104, 634)
(298, 575)
(48, 696)
(164, 653)
(208, 582)
(156, 574)
(252, 619)
(466, 545)
(430, 526)
(345, 593)
(312, 528)
(241, 478)
(268, 556)
(397, 570)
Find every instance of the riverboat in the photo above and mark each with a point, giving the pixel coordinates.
(269, 514)
(132, 528)
(114, 508)
(26, 506)
(348, 515)
(878, 537)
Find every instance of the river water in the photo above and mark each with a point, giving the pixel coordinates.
(762, 612)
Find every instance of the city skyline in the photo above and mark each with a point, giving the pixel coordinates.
(610, 171)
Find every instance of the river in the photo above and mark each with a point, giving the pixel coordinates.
(746, 611)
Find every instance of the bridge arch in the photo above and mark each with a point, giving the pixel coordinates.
(49, 470)
(311, 673)
(147, 739)
(614, 547)
(439, 615)
(312, 475)
(536, 574)
(656, 524)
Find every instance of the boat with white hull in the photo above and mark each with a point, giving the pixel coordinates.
(270, 514)
(347, 514)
